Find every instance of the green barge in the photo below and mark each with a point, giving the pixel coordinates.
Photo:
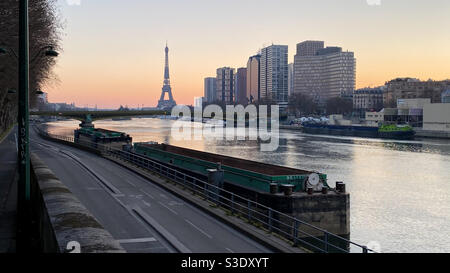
(245, 173)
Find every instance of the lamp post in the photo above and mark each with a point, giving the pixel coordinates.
(24, 187)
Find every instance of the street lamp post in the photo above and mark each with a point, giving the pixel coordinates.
(24, 186)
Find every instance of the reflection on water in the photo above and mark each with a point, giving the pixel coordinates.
(400, 190)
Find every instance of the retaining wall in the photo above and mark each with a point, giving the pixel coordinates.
(61, 218)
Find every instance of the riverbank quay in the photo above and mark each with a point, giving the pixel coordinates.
(419, 132)
(432, 134)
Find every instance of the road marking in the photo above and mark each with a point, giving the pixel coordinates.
(129, 182)
(168, 208)
(148, 194)
(199, 229)
(145, 203)
(137, 240)
(163, 196)
(175, 203)
(162, 231)
(231, 251)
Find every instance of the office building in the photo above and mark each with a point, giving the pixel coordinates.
(290, 79)
(241, 86)
(253, 78)
(225, 85)
(210, 87)
(323, 72)
(274, 74)
(198, 102)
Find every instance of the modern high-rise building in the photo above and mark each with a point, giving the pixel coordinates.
(323, 72)
(225, 85)
(210, 94)
(274, 74)
(290, 79)
(253, 78)
(241, 86)
(198, 102)
(309, 48)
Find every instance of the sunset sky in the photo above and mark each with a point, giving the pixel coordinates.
(113, 50)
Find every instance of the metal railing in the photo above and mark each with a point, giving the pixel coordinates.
(300, 233)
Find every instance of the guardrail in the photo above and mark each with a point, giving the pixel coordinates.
(300, 233)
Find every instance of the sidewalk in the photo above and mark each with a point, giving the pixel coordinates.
(8, 192)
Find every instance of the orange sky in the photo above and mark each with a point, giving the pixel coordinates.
(113, 51)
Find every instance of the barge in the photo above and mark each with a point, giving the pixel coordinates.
(383, 131)
(96, 136)
(252, 175)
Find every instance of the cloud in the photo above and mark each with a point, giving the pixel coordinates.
(373, 2)
(73, 2)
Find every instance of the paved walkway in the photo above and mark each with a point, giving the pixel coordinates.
(8, 192)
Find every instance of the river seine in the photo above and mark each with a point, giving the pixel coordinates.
(400, 190)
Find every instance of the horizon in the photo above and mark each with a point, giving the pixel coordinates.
(119, 59)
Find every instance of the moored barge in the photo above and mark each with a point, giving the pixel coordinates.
(249, 174)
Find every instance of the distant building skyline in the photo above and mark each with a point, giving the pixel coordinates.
(411, 88)
(402, 38)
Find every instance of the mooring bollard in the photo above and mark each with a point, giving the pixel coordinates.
(340, 187)
(288, 189)
(273, 188)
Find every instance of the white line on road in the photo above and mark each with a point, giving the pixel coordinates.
(174, 212)
(163, 196)
(148, 194)
(231, 251)
(199, 229)
(129, 182)
(162, 231)
(137, 240)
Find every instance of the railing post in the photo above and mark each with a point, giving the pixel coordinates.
(249, 212)
(270, 219)
(326, 242)
(232, 203)
(365, 249)
(295, 233)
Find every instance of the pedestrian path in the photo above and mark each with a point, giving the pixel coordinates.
(8, 192)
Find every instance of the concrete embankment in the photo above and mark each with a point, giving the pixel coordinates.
(432, 134)
(63, 222)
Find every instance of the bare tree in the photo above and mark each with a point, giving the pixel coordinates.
(338, 105)
(301, 104)
(45, 30)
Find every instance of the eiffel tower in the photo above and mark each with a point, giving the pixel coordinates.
(163, 103)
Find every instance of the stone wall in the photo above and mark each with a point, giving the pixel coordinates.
(62, 219)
